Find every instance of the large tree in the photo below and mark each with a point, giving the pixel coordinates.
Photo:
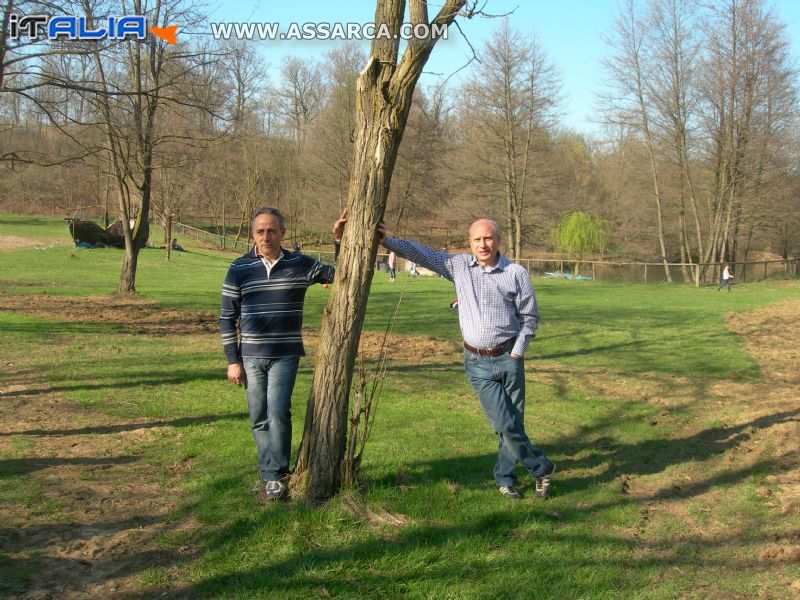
(384, 94)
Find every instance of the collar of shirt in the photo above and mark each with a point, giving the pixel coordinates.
(266, 262)
(502, 263)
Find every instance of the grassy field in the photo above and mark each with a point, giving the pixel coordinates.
(125, 457)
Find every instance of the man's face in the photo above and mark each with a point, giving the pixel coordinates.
(268, 236)
(484, 242)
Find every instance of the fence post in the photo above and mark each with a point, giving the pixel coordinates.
(645, 272)
(765, 269)
(594, 275)
(561, 266)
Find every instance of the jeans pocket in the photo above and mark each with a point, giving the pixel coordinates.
(470, 358)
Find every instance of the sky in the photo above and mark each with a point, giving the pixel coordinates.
(570, 31)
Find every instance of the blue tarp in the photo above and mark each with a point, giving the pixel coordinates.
(560, 275)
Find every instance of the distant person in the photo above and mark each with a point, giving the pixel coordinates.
(176, 246)
(392, 264)
(498, 317)
(413, 269)
(260, 321)
(298, 246)
(727, 278)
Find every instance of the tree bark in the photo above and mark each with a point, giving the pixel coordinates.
(384, 93)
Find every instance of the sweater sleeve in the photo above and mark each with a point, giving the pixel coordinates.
(229, 315)
(319, 272)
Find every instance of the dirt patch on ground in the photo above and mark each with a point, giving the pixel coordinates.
(88, 466)
(772, 336)
(94, 526)
(694, 473)
(86, 469)
(131, 315)
(17, 242)
(393, 347)
(126, 314)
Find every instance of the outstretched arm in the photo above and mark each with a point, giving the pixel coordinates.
(436, 261)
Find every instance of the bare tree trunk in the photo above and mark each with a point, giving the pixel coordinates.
(385, 89)
(127, 278)
(685, 251)
(168, 232)
(510, 208)
(635, 63)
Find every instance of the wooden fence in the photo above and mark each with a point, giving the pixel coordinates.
(629, 272)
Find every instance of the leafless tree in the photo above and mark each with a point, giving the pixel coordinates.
(628, 103)
(748, 93)
(513, 96)
(385, 89)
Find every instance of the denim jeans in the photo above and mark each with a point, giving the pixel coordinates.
(268, 386)
(499, 382)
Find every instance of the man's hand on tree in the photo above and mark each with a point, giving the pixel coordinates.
(382, 233)
(338, 227)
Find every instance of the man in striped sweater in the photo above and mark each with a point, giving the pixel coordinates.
(260, 321)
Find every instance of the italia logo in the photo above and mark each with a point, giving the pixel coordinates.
(76, 28)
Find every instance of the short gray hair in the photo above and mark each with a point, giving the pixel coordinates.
(266, 210)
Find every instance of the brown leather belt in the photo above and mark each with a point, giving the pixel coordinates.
(496, 351)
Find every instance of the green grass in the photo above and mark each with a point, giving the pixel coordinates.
(431, 453)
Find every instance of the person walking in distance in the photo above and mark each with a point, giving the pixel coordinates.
(727, 278)
(392, 263)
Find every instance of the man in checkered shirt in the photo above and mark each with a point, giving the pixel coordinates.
(498, 317)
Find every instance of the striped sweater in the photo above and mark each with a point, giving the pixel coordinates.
(262, 314)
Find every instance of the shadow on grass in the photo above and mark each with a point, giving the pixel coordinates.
(188, 326)
(619, 458)
(101, 429)
(407, 562)
(629, 356)
(656, 455)
(311, 570)
(463, 552)
(27, 221)
(30, 537)
(21, 466)
(135, 379)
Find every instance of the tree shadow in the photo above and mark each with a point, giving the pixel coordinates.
(24, 466)
(139, 379)
(120, 427)
(311, 571)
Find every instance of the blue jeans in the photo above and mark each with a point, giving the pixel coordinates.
(499, 382)
(268, 386)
